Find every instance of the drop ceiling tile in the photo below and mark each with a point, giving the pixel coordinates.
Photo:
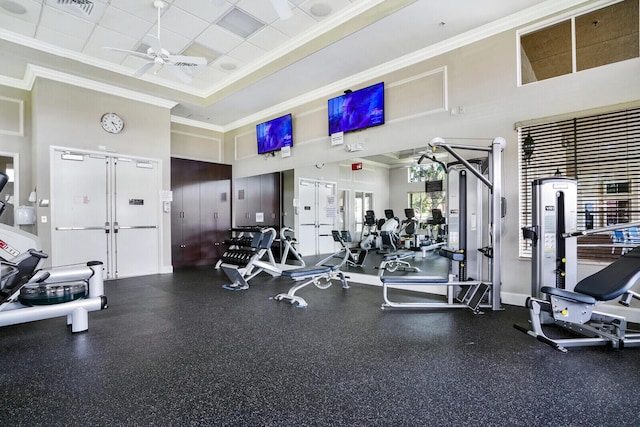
(126, 23)
(143, 9)
(184, 23)
(17, 26)
(56, 20)
(247, 52)
(204, 9)
(268, 38)
(58, 39)
(219, 39)
(104, 37)
(299, 23)
(169, 40)
(262, 10)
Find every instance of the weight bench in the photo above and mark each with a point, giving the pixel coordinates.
(319, 275)
(573, 310)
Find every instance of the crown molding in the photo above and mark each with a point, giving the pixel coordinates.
(198, 124)
(34, 72)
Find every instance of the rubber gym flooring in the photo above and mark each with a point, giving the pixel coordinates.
(179, 350)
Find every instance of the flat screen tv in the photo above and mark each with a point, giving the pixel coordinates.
(274, 134)
(357, 110)
(433, 186)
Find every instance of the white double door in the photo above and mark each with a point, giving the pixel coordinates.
(105, 208)
(317, 211)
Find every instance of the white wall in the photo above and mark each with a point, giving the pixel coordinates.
(68, 116)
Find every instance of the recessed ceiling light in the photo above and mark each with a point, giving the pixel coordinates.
(228, 66)
(320, 10)
(240, 23)
(13, 7)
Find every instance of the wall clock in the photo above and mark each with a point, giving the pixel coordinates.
(112, 123)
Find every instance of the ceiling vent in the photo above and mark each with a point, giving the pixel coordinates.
(77, 7)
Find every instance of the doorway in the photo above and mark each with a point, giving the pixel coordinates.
(105, 208)
(317, 213)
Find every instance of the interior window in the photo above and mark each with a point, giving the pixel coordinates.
(602, 36)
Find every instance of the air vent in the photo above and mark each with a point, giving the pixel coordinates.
(77, 7)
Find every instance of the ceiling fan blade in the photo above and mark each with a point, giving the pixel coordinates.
(128, 52)
(176, 71)
(282, 8)
(153, 42)
(146, 67)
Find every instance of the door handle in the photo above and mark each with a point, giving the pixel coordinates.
(116, 227)
(106, 227)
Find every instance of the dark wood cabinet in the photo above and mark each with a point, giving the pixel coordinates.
(201, 211)
(257, 196)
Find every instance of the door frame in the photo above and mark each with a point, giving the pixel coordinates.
(298, 206)
(160, 192)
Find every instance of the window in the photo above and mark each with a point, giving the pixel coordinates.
(432, 174)
(603, 153)
(580, 42)
(423, 203)
(363, 201)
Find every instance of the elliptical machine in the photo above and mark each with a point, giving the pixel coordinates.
(370, 237)
(389, 232)
(27, 294)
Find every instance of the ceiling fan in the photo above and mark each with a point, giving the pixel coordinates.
(161, 58)
(281, 7)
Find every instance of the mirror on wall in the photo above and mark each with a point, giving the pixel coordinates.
(7, 195)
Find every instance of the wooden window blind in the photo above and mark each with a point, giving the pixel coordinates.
(602, 152)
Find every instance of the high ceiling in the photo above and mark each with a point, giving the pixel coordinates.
(325, 47)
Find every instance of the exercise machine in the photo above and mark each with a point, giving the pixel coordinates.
(474, 191)
(28, 294)
(244, 260)
(352, 257)
(389, 229)
(409, 229)
(370, 237)
(288, 243)
(557, 299)
(321, 274)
